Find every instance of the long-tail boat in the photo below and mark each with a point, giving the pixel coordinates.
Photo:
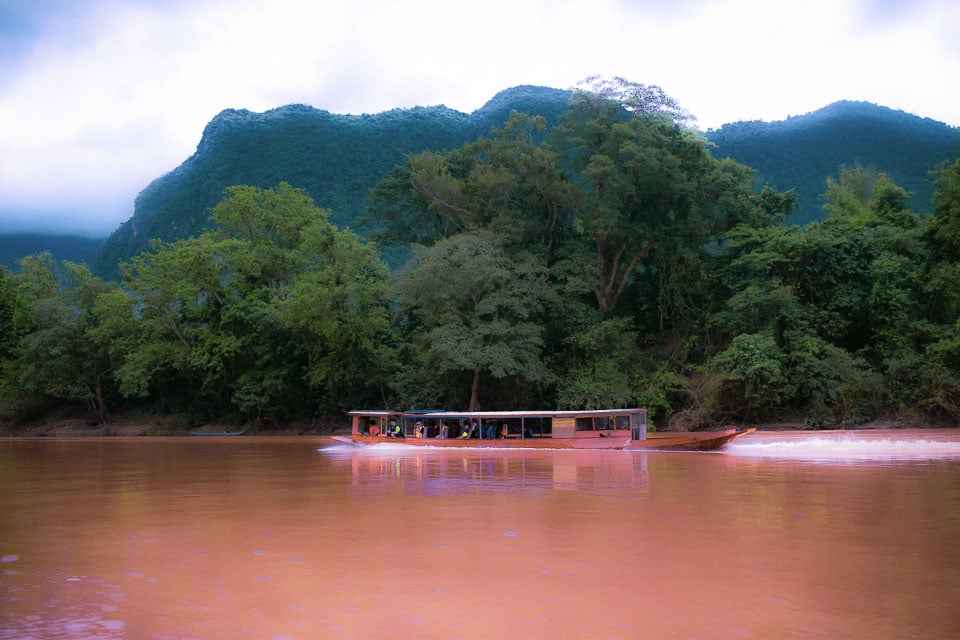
(586, 429)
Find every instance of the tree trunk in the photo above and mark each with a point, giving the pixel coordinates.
(474, 391)
(613, 276)
(102, 411)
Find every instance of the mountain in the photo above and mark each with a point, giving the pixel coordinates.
(13, 247)
(802, 151)
(337, 159)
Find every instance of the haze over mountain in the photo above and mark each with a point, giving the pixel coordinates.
(801, 152)
(339, 158)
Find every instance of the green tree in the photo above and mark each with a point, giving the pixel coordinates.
(180, 292)
(339, 311)
(935, 371)
(862, 197)
(942, 237)
(477, 310)
(944, 226)
(754, 374)
(8, 297)
(599, 366)
(839, 300)
(509, 183)
(55, 358)
(644, 180)
(252, 316)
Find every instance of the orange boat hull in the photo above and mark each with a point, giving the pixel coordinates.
(611, 442)
(699, 441)
(689, 441)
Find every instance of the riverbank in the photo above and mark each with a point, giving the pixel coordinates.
(137, 425)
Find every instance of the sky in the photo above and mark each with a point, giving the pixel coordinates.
(100, 97)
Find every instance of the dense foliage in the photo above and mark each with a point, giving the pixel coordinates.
(335, 158)
(608, 260)
(338, 159)
(801, 152)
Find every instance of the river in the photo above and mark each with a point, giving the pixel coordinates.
(781, 535)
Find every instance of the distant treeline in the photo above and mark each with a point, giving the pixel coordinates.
(608, 260)
(64, 247)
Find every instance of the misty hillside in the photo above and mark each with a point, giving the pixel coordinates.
(13, 247)
(337, 159)
(802, 151)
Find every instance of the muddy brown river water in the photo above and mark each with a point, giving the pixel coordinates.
(781, 535)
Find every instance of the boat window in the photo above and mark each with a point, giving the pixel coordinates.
(584, 424)
(623, 422)
(602, 423)
(537, 427)
(513, 429)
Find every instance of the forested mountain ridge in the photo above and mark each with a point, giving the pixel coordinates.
(338, 159)
(801, 151)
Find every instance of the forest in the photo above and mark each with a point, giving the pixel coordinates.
(337, 159)
(610, 260)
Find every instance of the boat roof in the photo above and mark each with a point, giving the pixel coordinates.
(581, 413)
(480, 415)
(374, 412)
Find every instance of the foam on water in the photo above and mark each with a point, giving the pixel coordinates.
(851, 448)
(393, 448)
(814, 446)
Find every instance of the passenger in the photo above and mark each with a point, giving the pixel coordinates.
(394, 430)
(504, 430)
(490, 433)
(374, 430)
(443, 430)
(418, 429)
(464, 430)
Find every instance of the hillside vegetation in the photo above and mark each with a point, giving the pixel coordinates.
(801, 152)
(605, 258)
(338, 159)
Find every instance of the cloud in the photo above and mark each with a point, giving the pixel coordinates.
(98, 97)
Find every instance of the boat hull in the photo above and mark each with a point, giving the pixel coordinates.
(670, 441)
(689, 441)
(611, 442)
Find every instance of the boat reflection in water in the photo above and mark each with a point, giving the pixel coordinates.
(442, 472)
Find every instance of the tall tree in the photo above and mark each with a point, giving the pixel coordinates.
(339, 310)
(253, 314)
(477, 310)
(56, 359)
(509, 183)
(644, 180)
(939, 369)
